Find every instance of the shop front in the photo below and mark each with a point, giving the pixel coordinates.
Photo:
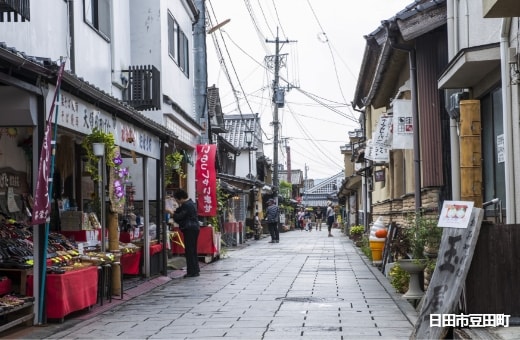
(100, 226)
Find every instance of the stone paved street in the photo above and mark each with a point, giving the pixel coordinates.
(308, 286)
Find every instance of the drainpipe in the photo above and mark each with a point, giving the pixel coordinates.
(453, 47)
(415, 114)
(507, 122)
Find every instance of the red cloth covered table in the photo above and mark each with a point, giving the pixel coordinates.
(154, 249)
(68, 292)
(131, 263)
(205, 244)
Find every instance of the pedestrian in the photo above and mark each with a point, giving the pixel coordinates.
(258, 227)
(307, 217)
(186, 216)
(319, 218)
(331, 216)
(272, 221)
(301, 214)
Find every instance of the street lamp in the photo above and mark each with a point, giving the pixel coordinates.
(249, 140)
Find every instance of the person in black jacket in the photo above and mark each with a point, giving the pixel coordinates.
(186, 216)
(272, 221)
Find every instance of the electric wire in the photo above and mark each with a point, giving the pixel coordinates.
(234, 70)
(306, 93)
(327, 41)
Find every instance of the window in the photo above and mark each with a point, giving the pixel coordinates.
(178, 45)
(173, 37)
(97, 15)
(184, 54)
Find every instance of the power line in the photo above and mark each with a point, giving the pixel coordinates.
(308, 94)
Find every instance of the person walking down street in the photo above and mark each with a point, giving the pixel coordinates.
(319, 218)
(301, 221)
(272, 221)
(186, 216)
(331, 216)
(307, 217)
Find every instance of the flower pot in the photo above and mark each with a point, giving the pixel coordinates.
(98, 149)
(413, 267)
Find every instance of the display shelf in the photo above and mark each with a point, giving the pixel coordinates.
(17, 315)
(23, 277)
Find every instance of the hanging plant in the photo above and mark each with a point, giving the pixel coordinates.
(91, 162)
(173, 163)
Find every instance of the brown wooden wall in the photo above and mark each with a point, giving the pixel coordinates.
(492, 281)
(432, 58)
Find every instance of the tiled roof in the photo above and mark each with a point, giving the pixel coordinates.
(236, 125)
(45, 65)
(296, 176)
(325, 191)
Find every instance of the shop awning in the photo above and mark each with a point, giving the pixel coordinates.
(470, 66)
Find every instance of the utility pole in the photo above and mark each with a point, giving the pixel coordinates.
(201, 75)
(278, 100)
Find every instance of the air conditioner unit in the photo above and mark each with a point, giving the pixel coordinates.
(454, 104)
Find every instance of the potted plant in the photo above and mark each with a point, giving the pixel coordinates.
(94, 139)
(356, 231)
(413, 239)
(173, 164)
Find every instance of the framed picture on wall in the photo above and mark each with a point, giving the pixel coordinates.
(379, 175)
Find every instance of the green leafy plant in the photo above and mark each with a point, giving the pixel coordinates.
(399, 278)
(422, 231)
(173, 163)
(357, 230)
(365, 247)
(91, 160)
(285, 189)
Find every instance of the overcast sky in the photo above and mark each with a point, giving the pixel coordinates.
(322, 66)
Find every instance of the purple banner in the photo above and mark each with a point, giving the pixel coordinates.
(42, 203)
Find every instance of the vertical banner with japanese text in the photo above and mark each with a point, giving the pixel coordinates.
(403, 124)
(42, 202)
(206, 184)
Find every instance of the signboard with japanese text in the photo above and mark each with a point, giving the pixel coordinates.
(377, 153)
(383, 133)
(80, 116)
(453, 263)
(206, 184)
(402, 124)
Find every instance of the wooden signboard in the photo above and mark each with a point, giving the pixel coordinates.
(453, 263)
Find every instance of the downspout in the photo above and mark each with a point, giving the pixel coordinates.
(415, 114)
(72, 55)
(453, 47)
(367, 166)
(508, 123)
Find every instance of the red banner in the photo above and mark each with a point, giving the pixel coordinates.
(206, 184)
(42, 204)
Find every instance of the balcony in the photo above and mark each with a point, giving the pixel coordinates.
(143, 88)
(16, 7)
(500, 8)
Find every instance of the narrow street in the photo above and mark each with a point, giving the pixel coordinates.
(308, 286)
